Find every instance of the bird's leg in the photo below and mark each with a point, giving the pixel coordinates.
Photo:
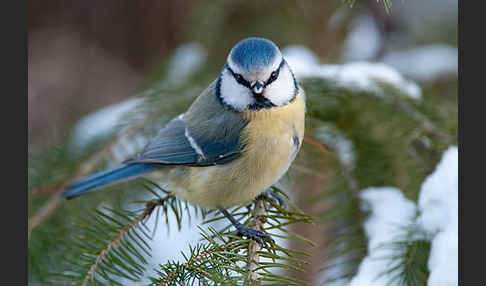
(275, 197)
(243, 230)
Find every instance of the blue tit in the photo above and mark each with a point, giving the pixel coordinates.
(236, 140)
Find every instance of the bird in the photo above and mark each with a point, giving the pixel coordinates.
(235, 141)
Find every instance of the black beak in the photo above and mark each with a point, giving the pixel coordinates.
(257, 87)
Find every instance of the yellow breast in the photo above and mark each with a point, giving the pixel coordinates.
(271, 140)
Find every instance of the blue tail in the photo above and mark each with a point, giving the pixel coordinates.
(104, 178)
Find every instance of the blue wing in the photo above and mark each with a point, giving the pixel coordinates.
(207, 134)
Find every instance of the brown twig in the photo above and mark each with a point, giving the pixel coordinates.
(150, 206)
(47, 190)
(44, 212)
(314, 142)
(48, 208)
(253, 258)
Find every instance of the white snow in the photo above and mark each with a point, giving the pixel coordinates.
(426, 63)
(438, 206)
(338, 141)
(185, 60)
(365, 76)
(169, 245)
(390, 212)
(301, 60)
(100, 123)
(358, 76)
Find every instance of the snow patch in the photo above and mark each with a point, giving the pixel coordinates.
(438, 206)
(168, 245)
(390, 213)
(338, 141)
(185, 60)
(358, 76)
(365, 76)
(100, 123)
(302, 61)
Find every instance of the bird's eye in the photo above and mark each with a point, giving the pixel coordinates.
(273, 77)
(240, 79)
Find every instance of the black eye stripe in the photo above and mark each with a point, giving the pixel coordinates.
(274, 74)
(238, 77)
(241, 80)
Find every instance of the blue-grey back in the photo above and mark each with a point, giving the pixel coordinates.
(207, 134)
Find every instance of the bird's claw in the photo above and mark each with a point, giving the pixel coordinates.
(256, 235)
(275, 197)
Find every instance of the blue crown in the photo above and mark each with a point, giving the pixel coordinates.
(254, 53)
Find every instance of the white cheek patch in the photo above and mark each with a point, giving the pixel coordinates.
(234, 94)
(282, 90)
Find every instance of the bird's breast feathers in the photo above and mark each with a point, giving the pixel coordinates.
(270, 141)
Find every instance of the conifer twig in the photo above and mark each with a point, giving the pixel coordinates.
(48, 208)
(426, 124)
(253, 258)
(44, 212)
(149, 208)
(185, 265)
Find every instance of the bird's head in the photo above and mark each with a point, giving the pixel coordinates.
(256, 76)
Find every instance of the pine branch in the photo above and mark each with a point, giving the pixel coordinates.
(56, 199)
(150, 206)
(204, 254)
(113, 243)
(408, 262)
(253, 257)
(206, 262)
(229, 260)
(44, 212)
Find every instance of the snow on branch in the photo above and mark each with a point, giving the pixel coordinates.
(392, 214)
(356, 76)
(438, 206)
